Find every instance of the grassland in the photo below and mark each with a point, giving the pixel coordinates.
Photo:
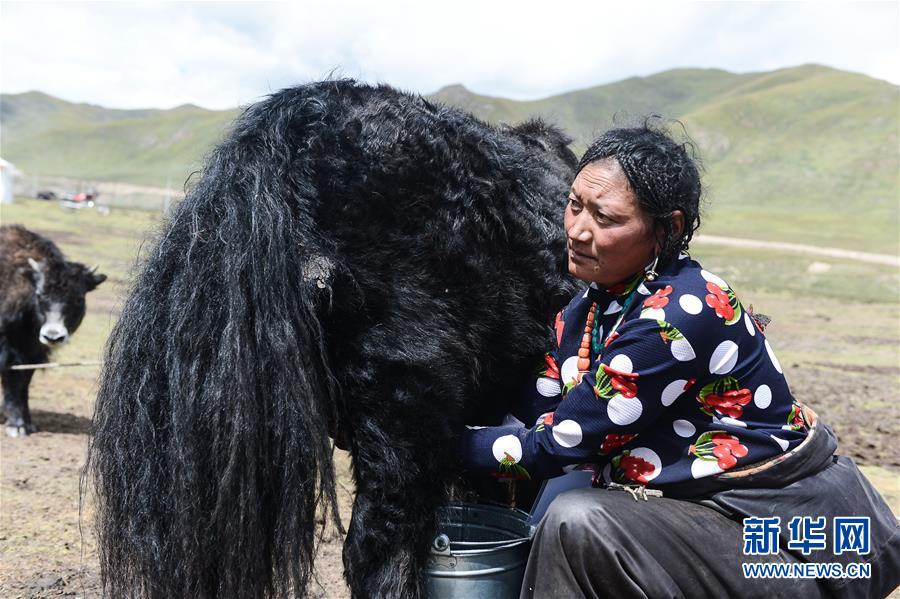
(837, 334)
(807, 154)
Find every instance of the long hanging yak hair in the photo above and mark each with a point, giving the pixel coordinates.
(354, 262)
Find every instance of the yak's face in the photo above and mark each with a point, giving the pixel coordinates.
(59, 294)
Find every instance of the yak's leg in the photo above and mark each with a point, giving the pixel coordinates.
(15, 402)
(401, 460)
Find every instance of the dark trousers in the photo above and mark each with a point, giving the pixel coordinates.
(602, 543)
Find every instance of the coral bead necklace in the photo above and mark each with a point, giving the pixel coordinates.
(584, 350)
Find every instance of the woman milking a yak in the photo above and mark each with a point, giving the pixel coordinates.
(364, 264)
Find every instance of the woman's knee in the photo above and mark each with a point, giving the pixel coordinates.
(581, 510)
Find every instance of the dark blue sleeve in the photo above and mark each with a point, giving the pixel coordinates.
(638, 375)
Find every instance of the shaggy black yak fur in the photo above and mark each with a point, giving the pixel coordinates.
(41, 305)
(355, 261)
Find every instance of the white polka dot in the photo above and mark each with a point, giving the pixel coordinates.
(586, 291)
(682, 350)
(748, 322)
(763, 397)
(622, 410)
(622, 363)
(683, 256)
(733, 421)
(651, 456)
(642, 289)
(781, 442)
(600, 332)
(672, 391)
(570, 467)
(548, 387)
(690, 303)
(653, 313)
(787, 427)
(701, 468)
(772, 357)
(683, 428)
(569, 370)
(507, 445)
(723, 358)
(567, 433)
(613, 308)
(713, 279)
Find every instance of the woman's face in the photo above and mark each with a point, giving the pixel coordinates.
(609, 237)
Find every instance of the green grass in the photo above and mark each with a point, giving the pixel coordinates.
(807, 154)
(788, 274)
(150, 150)
(110, 242)
(888, 483)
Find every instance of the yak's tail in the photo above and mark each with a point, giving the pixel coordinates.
(210, 457)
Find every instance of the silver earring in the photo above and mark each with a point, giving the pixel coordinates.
(650, 274)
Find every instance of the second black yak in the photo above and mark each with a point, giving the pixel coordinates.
(41, 305)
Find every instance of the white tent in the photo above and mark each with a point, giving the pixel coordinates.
(8, 174)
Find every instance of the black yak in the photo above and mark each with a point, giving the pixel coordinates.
(354, 261)
(41, 305)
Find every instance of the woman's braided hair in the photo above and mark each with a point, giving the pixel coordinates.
(663, 174)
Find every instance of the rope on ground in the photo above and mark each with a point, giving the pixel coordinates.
(53, 365)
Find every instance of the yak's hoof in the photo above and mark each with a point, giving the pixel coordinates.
(23, 430)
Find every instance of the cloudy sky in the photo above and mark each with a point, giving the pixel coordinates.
(220, 55)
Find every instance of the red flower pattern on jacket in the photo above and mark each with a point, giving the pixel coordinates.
(636, 468)
(613, 441)
(623, 382)
(612, 337)
(725, 449)
(659, 299)
(559, 325)
(795, 419)
(730, 403)
(552, 371)
(543, 421)
(719, 301)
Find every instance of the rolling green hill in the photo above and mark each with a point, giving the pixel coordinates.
(47, 136)
(806, 154)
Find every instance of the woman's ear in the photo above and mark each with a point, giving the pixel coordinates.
(677, 222)
(677, 217)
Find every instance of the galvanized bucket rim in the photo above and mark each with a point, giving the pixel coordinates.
(472, 548)
(470, 552)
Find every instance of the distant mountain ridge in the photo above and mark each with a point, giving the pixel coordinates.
(789, 153)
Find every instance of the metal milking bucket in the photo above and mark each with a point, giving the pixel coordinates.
(480, 552)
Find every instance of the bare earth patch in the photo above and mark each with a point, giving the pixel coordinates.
(842, 360)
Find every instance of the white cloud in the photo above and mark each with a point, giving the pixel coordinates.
(220, 55)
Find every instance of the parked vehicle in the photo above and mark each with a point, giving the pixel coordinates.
(82, 199)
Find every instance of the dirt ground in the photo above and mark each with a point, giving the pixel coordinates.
(842, 360)
(47, 548)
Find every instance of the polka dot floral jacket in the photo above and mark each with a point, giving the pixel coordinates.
(684, 387)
